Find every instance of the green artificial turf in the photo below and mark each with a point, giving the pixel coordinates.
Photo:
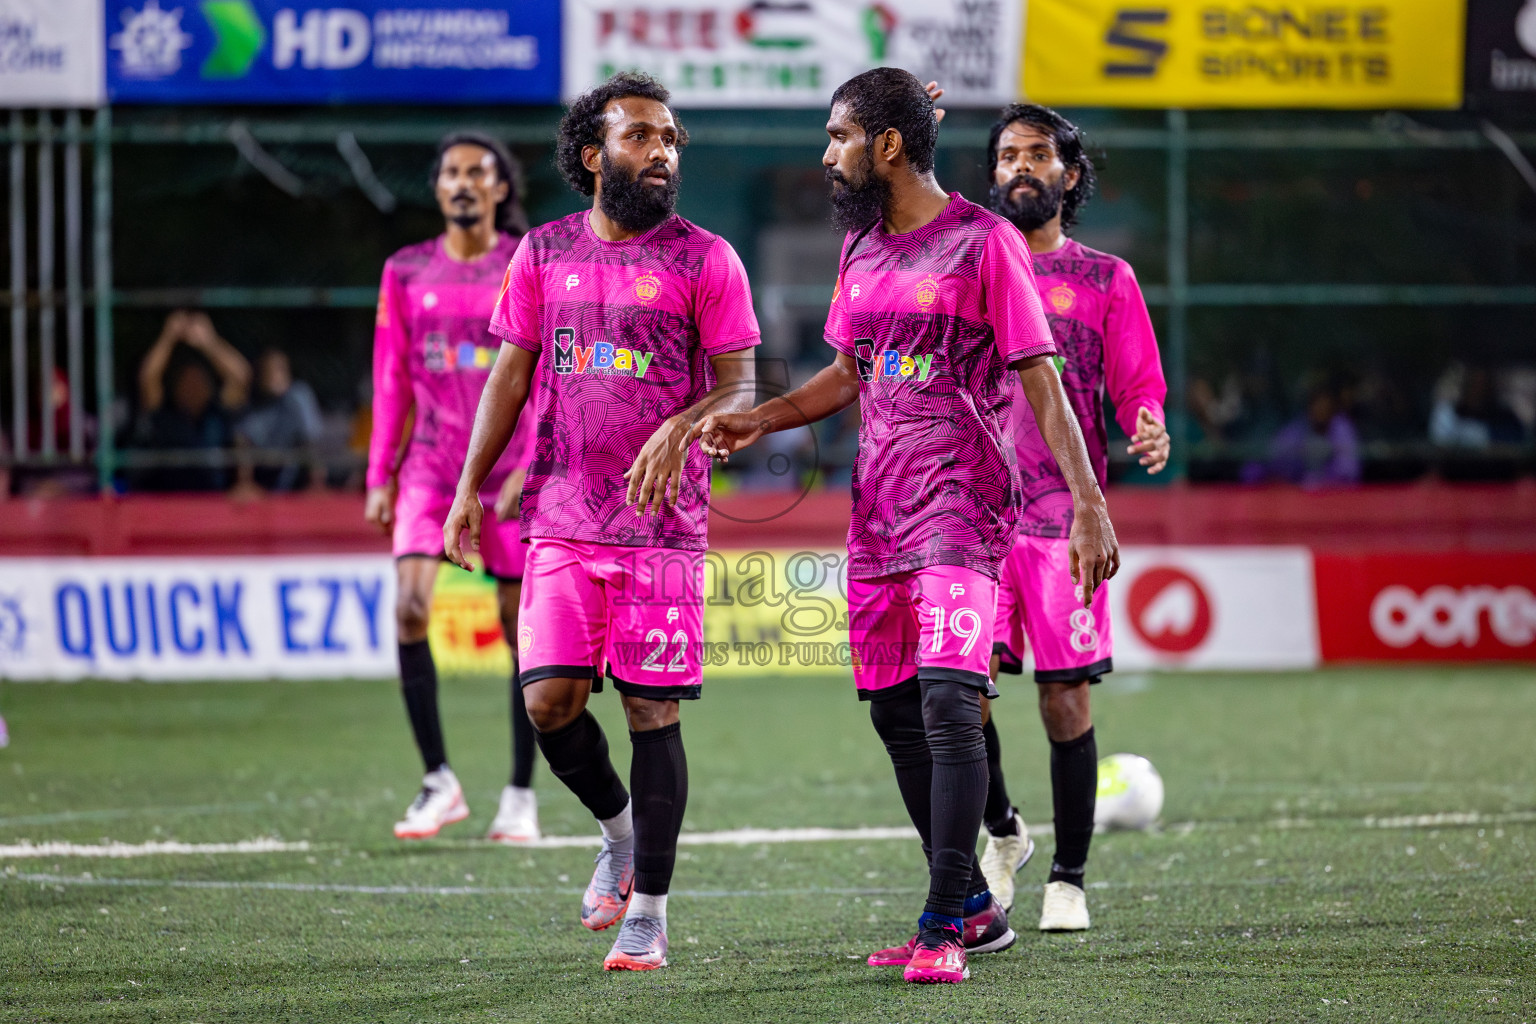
(1352, 845)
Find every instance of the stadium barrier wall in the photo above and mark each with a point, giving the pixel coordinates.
(769, 611)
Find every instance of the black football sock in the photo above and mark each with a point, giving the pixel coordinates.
(998, 813)
(898, 719)
(658, 778)
(524, 746)
(952, 715)
(418, 685)
(1074, 789)
(578, 756)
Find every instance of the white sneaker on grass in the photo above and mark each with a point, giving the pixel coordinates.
(1064, 909)
(440, 802)
(517, 819)
(1003, 858)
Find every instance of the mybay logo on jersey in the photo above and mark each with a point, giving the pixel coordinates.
(444, 357)
(600, 357)
(889, 364)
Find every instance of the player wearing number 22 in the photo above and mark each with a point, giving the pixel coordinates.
(1041, 177)
(935, 319)
(622, 322)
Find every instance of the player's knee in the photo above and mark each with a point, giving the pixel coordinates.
(553, 707)
(1064, 710)
(646, 715)
(412, 612)
(899, 723)
(952, 718)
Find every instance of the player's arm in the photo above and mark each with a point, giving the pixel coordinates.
(832, 390)
(656, 477)
(233, 369)
(1133, 372)
(393, 400)
(1093, 550)
(502, 401)
(152, 370)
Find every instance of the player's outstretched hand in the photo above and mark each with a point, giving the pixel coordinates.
(657, 475)
(379, 506)
(509, 500)
(1093, 550)
(1151, 441)
(935, 93)
(466, 514)
(722, 433)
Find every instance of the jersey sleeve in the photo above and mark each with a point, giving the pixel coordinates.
(516, 316)
(1009, 298)
(392, 393)
(722, 303)
(1133, 370)
(838, 332)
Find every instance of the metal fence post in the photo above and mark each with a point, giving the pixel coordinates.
(106, 450)
(19, 446)
(1178, 291)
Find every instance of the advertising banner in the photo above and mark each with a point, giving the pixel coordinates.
(1501, 54)
(50, 53)
(197, 618)
(793, 53)
(1184, 53)
(1462, 606)
(269, 51)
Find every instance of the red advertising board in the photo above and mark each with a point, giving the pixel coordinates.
(1455, 606)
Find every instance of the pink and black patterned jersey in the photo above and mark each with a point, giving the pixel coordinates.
(624, 331)
(1103, 335)
(933, 318)
(432, 350)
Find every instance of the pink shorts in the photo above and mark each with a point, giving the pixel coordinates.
(419, 516)
(930, 623)
(1037, 598)
(635, 612)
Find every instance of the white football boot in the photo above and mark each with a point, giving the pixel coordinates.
(1003, 857)
(517, 819)
(1064, 909)
(440, 802)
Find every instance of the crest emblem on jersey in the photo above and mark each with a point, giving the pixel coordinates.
(524, 639)
(1061, 298)
(647, 287)
(927, 294)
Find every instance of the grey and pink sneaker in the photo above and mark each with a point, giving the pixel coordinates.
(613, 883)
(986, 931)
(938, 957)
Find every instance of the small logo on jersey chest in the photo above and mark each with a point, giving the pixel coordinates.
(853, 292)
(927, 294)
(571, 281)
(647, 288)
(1061, 298)
(429, 300)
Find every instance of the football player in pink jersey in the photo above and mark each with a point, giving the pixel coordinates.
(935, 321)
(1041, 177)
(623, 324)
(432, 355)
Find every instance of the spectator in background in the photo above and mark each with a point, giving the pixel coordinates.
(1319, 448)
(285, 415)
(1467, 413)
(197, 413)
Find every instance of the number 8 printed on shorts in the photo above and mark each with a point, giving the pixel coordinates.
(1084, 636)
(964, 623)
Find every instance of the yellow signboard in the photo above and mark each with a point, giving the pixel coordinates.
(768, 611)
(1291, 53)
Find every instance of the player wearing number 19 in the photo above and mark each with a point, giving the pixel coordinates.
(935, 319)
(622, 323)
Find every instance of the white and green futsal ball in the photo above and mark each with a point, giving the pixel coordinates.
(1130, 792)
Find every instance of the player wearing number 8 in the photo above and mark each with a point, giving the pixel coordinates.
(622, 322)
(935, 319)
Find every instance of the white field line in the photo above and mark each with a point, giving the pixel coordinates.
(154, 848)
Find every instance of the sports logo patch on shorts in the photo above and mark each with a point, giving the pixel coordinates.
(524, 639)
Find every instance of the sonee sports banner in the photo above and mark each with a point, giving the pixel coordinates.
(1195, 53)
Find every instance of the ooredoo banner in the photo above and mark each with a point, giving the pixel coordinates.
(793, 53)
(1463, 606)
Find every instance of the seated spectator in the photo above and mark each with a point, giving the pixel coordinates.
(37, 481)
(197, 417)
(284, 415)
(1467, 413)
(1319, 448)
